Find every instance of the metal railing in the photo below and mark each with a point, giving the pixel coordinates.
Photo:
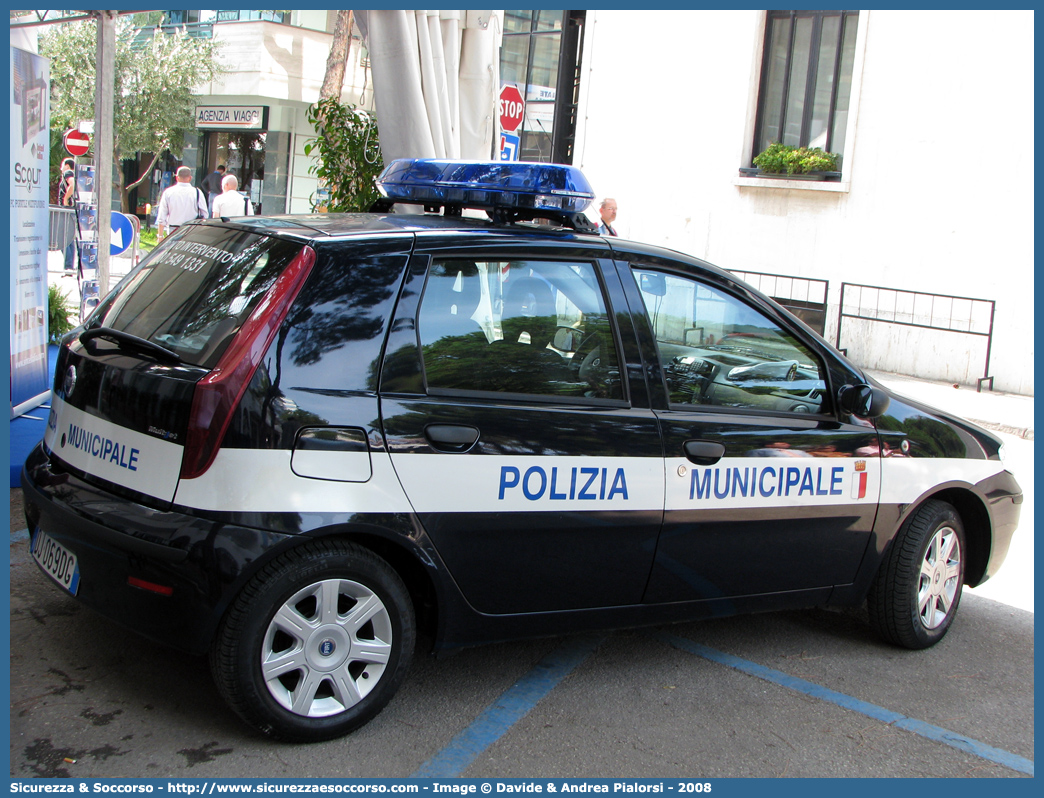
(195, 30)
(942, 312)
(253, 16)
(805, 297)
(62, 227)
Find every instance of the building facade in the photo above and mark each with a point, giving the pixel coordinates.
(252, 117)
(933, 207)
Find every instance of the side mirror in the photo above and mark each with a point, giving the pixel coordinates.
(654, 284)
(862, 400)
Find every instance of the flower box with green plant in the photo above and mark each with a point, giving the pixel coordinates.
(782, 160)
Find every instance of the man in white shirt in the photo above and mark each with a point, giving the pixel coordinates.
(230, 202)
(180, 203)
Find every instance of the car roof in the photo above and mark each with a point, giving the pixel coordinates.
(318, 226)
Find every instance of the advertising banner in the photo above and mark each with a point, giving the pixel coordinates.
(30, 159)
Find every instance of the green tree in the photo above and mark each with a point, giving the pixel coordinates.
(156, 70)
(349, 155)
(346, 137)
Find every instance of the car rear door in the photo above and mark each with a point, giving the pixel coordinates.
(768, 491)
(518, 423)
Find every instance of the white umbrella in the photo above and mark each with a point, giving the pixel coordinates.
(436, 76)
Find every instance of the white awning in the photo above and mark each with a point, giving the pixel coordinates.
(436, 76)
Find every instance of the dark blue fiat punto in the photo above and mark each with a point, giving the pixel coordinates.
(294, 442)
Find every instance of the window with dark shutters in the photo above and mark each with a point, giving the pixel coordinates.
(806, 79)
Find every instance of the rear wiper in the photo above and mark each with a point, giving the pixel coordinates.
(131, 341)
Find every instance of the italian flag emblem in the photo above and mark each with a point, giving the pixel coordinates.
(859, 480)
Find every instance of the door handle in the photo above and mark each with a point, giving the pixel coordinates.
(703, 453)
(455, 438)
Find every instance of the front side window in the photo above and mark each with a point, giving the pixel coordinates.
(718, 351)
(521, 327)
(806, 79)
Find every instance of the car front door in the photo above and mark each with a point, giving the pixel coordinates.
(531, 457)
(768, 490)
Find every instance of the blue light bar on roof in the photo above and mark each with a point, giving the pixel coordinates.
(486, 184)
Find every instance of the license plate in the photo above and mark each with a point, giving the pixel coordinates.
(57, 561)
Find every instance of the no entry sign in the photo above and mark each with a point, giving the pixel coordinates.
(511, 107)
(76, 143)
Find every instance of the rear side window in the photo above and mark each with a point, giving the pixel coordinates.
(522, 327)
(196, 290)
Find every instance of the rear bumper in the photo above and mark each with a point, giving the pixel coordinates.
(202, 562)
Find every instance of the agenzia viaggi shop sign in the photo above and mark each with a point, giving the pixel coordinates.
(28, 188)
(231, 117)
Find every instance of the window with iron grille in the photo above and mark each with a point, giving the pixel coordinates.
(193, 17)
(806, 79)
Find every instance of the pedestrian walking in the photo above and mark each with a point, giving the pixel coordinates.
(230, 202)
(66, 183)
(212, 184)
(180, 203)
(66, 199)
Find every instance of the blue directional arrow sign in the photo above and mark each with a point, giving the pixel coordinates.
(122, 233)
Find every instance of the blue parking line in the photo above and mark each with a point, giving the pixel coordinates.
(936, 733)
(508, 709)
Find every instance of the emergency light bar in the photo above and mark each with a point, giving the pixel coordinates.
(507, 190)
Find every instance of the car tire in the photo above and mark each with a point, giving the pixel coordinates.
(316, 644)
(915, 595)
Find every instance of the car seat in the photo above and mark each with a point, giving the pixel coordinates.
(521, 362)
(450, 298)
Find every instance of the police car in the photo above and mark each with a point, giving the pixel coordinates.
(296, 442)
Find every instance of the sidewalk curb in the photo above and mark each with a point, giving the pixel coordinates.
(1025, 433)
(976, 406)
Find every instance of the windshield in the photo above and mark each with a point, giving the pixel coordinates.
(195, 291)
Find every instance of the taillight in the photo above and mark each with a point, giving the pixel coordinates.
(217, 394)
(152, 587)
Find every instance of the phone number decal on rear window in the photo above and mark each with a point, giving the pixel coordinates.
(193, 256)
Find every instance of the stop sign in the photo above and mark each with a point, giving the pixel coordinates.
(511, 108)
(76, 143)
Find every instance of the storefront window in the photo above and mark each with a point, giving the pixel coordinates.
(518, 21)
(540, 55)
(243, 154)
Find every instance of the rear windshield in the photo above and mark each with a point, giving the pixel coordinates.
(192, 294)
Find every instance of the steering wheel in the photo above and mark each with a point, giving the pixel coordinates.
(588, 358)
